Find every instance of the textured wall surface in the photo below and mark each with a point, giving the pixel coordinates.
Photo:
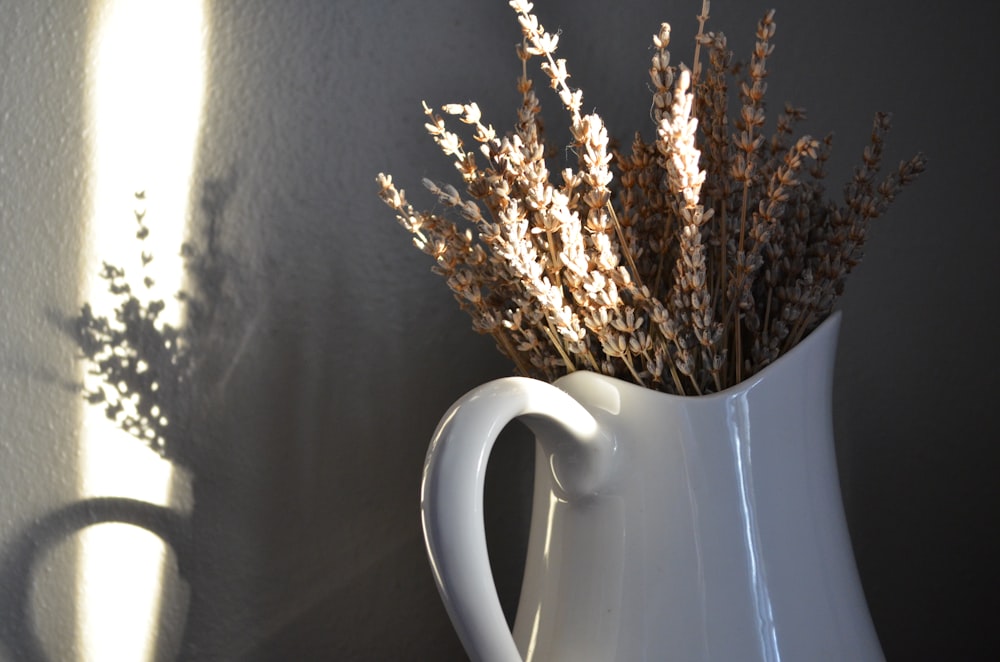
(332, 350)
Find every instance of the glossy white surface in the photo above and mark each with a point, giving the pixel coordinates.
(663, 527)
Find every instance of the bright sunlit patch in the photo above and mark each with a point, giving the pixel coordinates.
(146, 71)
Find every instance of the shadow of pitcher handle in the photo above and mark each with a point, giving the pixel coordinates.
(18, 632)
(579, 453)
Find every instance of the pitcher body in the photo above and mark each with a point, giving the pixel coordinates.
(664, 527)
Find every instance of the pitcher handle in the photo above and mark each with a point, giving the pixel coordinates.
(579, 453)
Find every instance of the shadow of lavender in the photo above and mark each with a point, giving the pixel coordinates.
(155, 382)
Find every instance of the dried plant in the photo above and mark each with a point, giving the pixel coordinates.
(712, 252)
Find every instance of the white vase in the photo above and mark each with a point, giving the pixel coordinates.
(663, 527)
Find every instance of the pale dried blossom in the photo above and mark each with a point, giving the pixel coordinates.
(713, 251)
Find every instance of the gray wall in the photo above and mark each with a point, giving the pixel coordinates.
(333, 350)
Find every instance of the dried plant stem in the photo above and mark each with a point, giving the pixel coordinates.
(621, 240)
(702, 19)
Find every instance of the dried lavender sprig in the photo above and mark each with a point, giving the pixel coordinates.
(745, 171)
(661, 74)
(457, 259)
(690, 299)
(599, 292)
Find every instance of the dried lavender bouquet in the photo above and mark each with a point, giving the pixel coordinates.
(685, 265)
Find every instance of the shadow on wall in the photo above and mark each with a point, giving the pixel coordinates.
(157, 383)
(304, 540)
(268, 552)
(22, 557)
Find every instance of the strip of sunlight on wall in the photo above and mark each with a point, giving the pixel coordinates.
(146, 82)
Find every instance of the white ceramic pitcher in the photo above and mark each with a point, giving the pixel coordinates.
(663, 527)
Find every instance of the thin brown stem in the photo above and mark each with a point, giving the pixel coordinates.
(702, 19)
(557, 343)
(623, 246)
